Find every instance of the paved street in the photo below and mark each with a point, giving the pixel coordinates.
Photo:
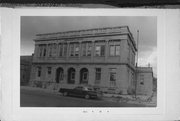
(35, 98)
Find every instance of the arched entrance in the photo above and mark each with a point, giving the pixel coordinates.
(84, 74)
(71, 76)
(59, 74)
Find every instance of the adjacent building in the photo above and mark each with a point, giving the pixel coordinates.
(25, 62)
(144, 85)
(102, 57)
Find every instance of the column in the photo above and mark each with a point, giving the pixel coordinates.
(36, 50)
(92, 51)
(57, 50)
(77, 75)
(67, 55)
(47, 55)
(106, 50)
(80, 50)
(65, 75)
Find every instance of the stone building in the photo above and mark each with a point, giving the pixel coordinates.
(101, 57)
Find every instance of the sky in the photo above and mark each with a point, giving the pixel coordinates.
(147, 26)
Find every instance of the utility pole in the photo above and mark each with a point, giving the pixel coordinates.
(136, 80)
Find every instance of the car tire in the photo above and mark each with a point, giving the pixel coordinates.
(87, 96)
(65, 93)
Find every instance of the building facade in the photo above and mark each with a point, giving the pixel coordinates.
(101, 57)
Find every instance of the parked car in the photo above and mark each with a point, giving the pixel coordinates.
(81, 91)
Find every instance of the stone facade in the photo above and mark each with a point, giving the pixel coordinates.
(103, 58)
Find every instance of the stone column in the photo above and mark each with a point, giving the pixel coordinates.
(57, 50)
(67, 54)
(93, 51)
(77, 75)
(106, 50)
(36, 50)
(47, 55)
(65, 75)
(79, 50)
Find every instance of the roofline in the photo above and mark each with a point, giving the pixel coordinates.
(83, 30)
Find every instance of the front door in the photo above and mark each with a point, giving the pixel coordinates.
(84, 76)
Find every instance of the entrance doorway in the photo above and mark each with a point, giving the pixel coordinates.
(84, 74)
(59, 75)
(71, 76)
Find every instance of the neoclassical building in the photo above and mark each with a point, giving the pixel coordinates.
(100, 57)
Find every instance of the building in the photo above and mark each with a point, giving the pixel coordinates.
(144, 81)
(25, 62)
(101, 57)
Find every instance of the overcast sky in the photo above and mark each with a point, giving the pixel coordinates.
(147, 26)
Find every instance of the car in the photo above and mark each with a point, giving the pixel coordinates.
(81, 91)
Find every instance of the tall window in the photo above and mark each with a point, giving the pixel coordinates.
(50, 50)
(44, 52)
(89, 47)
(54, 49)
(39, 72)
(60, 50)
(40, 50)
(100, 50)
(65, 49)
(76, 49)
(112, 76)
(83, 49)
(71, 49)
(49, 70)
(114, 50)
(98, 75)
(86, 49)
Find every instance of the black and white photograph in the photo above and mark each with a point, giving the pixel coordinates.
(88, 61)
(89, 64)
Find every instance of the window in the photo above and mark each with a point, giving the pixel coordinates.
(142, 82)
(39, 71)
(89, 49)
(71, 49)
(83, 49)
(117, 50)
(112, 77)
(100, 50)
(65, 49)
(44, 52)
(76, 49)
(50, 50)
(49, 70)
(40, 50)
(86, 49)
(54, 49)
(72, 75)
(114, 50)
(98, 73)
(61, 50)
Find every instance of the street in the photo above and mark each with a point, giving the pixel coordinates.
(35, 98)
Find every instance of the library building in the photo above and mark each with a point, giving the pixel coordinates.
(102, 57)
